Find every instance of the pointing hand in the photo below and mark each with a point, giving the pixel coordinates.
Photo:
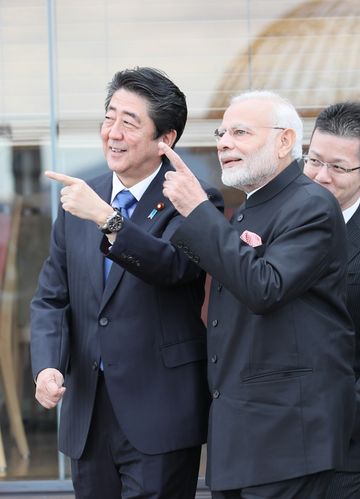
(79, 199)
(181, 186)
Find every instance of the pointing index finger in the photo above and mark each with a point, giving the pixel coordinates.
(60, 177)
(175, 159)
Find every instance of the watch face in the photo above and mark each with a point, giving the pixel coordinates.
(115, 222)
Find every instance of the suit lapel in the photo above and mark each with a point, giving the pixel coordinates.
(115, 275)
(353, 235)
(151, 197)
(93, 237)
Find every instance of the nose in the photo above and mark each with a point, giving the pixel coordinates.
(225, 142)
(116, 130)
(323, 175)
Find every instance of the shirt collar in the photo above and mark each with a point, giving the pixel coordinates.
(136, 190)
(348, 213)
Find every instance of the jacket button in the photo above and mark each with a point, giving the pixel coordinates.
(180, 244)
(95, 366)
(216, 394)
(240, 217)
(215, 322)
(214, 358)
(104, 321)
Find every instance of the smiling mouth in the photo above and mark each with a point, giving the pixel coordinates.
(116, 150)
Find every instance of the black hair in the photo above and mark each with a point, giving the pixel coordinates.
(341, 119)
(167, 104)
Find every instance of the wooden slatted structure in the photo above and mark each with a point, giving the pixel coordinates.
(8, 330)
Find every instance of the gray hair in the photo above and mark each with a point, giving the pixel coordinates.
(284, 115)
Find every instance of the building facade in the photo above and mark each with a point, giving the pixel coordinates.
(56, 58)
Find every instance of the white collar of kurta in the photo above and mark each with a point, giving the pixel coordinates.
(348, 213)
(136, 190)
(248, 194)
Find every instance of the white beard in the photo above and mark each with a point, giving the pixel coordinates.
(254, 169)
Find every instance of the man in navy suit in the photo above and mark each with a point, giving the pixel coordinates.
(333, 161)
(123, 344)
(280, 339)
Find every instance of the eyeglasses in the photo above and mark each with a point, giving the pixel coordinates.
(239, 132)
(331, 167)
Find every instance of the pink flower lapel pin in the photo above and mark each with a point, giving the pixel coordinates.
(251, 238)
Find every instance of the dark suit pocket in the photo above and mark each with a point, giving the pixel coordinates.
(183, 353)
(277, 375)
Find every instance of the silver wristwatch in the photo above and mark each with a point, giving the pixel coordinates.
(114, 223)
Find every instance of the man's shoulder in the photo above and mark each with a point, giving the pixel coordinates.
(320, 192)
(311, 201)
(104, 178)
(311, 189)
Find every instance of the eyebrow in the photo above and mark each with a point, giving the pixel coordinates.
(336, 160)
(240, 125)
(127, 113)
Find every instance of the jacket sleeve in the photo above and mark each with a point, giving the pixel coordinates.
(152, 256)
(50, 307)
(300, 250)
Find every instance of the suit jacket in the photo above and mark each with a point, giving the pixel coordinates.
(280, 339)
(144, 324)
(352, 461)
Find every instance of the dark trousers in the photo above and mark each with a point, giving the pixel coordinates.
(112, 468)
(306, 487)
(344, 485)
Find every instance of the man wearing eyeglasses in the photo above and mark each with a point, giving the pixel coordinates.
(334, 162)
(280, 339)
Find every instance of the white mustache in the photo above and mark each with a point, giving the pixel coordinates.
(227, 155)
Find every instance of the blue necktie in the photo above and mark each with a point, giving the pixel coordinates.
(123, 201)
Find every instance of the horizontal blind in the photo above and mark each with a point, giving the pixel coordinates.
(305, 50)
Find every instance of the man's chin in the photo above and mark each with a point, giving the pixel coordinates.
(116, 167)
(230, 179)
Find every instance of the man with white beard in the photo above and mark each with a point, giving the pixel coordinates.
(280, 339)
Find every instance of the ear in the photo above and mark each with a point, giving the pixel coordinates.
(287, 140)
(169, 138)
